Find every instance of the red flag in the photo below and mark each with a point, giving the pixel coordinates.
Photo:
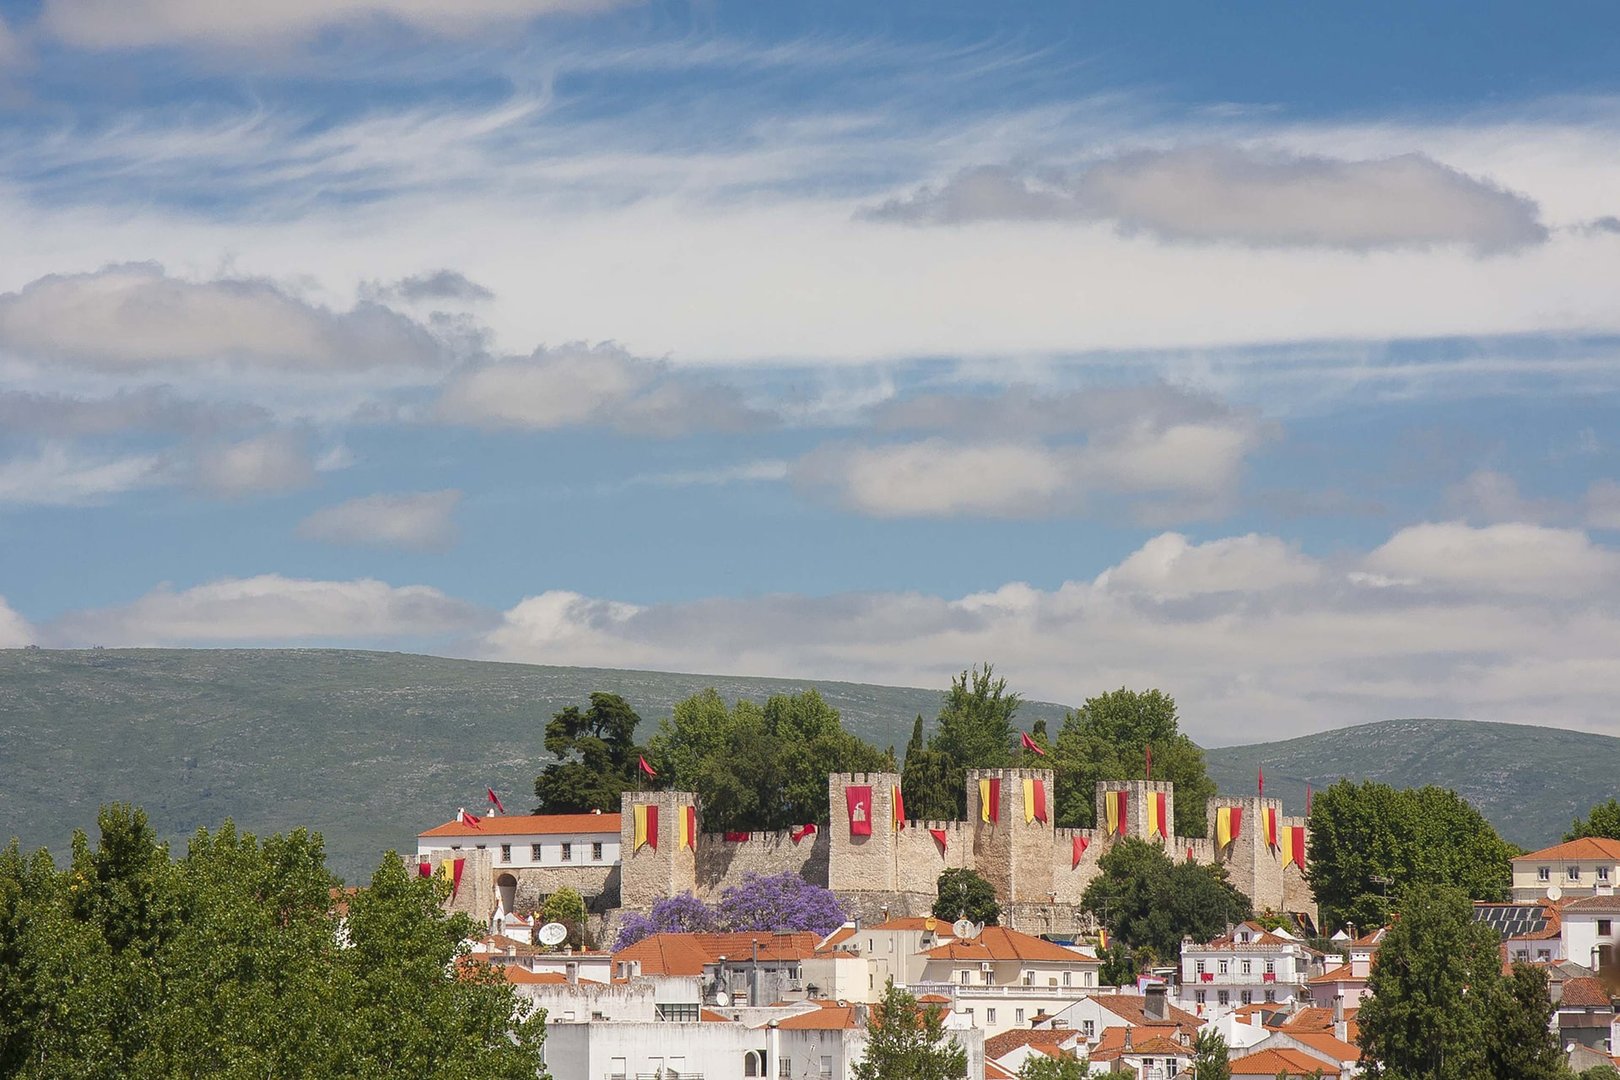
(648, 769)
(939, 837)
(1080, 845)
(455, 876)
(1189, 853)
(1261, 782)
(424, 869)
(737, 837)
(471, 820)
(1030, 744)
(801, 832)
(899, 810)
(496, 799)
(1149, 761)
(859, 802)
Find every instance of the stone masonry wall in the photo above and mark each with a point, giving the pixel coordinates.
(652, 873)
(722, 863)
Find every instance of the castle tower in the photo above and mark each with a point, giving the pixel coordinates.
(861, 835)
(1140, 809)
(1012, 841)
(665, 864)
(1252, 865)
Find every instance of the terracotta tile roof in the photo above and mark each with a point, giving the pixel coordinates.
(686, 954)
(1325, 1042)
(1129, 1007)
(1587, 993)
(826, 1018)
(1338, 974)
(530, 825)
(1600, 904)
(1273, 1063)
(1315, 1018)
(709, 1016)
(1000, 943)
(1587, 847)
(933, 999)
(1112, 1046)
(992, 1071)
(838, 937)
(923, 923)
(999, 1046)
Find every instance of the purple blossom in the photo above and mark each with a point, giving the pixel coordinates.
(780, 902)
(683, 914)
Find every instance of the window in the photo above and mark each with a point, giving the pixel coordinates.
(480, 847)
(1574, 873)
(1605, 927)
(988, 976)
(1223, 997)
(1199, 996)
(1066, 979)
(534, 852)
(1543, 873)
(616, 1069)
(1224, 964)
(965, 977)
(752, 1063)
(506, 853)
(1198, 968)
(1603, 873)
(989, 1016)
(567, 852)
(971, 1021)
(1248, 967)
(826, 1064)
(678, 1011)
(1029, 978)
(1088, 1029)
(1543, 954)
(1271, 967)
(1018, 1016)
(1271, 995)
(1248, 996)
(784, 1067)
(596, 851)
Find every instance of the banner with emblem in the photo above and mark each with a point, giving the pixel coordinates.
(859, 800)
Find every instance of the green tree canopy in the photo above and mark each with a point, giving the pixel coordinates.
(1603, 820)
(1041, 1067)
(243, 959)
(759, 767)
(927, 781)
(974, 730)
(905, 1041)
(1107, 739)
(965, 894)
(1210, 1058)
(1151, 902)
(567, 907)
(1361, 833)
(597, 757)
(1440, 1007)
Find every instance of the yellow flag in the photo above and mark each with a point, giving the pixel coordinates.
(1155, 826)
(1223, 826)
(641, 827)
(444, 869)
(1111, 808)
(687, 813)
(1102, 939)
(984, 800)
(1029, 801)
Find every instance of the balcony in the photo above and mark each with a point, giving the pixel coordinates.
(977, 990)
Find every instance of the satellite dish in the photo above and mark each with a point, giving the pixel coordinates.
(1554, 893)
(553, 933)
(963, 928)
(722, 999)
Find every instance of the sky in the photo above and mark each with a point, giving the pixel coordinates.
(1266, 354)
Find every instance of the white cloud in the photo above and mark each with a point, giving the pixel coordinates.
(60, 475)
(1488, 496)
(415, 522)
(1169, 567)
(1603, 505)
(116, 24)
(434, 286)
(1254, 639)
(273, 462)
(145, 409)
(134, 318)
(271, 609)
(1504, 558)
(1212, 193)
(15, 632)
(595, 385)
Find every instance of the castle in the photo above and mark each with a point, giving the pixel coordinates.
(880, 864)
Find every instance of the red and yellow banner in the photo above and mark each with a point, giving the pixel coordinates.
(990, 800)
(688, 828)
(1034, 800)
(1270, 820)
(1156, 814)
(646, 827)
(858, 799)
(1228, 825)
(1294, 845)
(455, 876)
(899, 810)
(1114, 803)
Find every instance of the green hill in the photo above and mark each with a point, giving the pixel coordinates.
(366, 747)
(369, 747)
(1529, 781)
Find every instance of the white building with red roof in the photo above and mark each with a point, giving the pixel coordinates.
(1247, 965)
(1001, 979)
(1575, 868)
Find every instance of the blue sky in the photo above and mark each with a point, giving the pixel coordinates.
(1264, 354)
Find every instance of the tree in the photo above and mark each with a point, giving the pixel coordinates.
(1118, 966)
(759, 767)
(1210, 1061)
(1523, 1042)
(1370, 843)
(974, 729)
(567, 907)
(681, 914)
(1600, 1072)
(1603, 820)
(1434, 991)
(965, 894)
(597, 757)
(781, 902)
(1041, 1067)
(1107, 739)
(1149, 901)
(907, 1042)
(927, 781)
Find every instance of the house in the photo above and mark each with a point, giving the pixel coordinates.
(892, 949)
(1531, 932)
(1150, 1054)
(1575, 868)
(1277, 1064)
(750, 968)
(531, 855)
(1001, 979)
(1330, 1049)
(1587, 931)
(1011, 1049)
(1148, 1013)
(1586, 1014)
(1246, 965)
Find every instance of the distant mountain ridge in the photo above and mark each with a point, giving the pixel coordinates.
(369, 747)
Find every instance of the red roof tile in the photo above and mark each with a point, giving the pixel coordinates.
(1000, 943)
(1273, 1063)
(1587, 993)
(686, 954)
(530, 825)
(1587, 847)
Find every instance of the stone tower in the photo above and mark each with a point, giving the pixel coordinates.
(1013, 852)
(652, 873)
(1252, 866)
(1137, 795)
(862, 863)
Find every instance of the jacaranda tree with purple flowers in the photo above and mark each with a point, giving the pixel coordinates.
(780, 902)
(683, 914)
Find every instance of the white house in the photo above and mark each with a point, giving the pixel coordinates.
(1588, 931)
(525, 841)
(1249, 964)
(1575, 868)
(1003, 979)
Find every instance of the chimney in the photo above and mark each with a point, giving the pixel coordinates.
(573, 974)
(1154, 1005)
(1127, 1038)
(1341, 1030)
(862, 1015)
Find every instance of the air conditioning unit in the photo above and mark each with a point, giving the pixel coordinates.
(985, 966)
